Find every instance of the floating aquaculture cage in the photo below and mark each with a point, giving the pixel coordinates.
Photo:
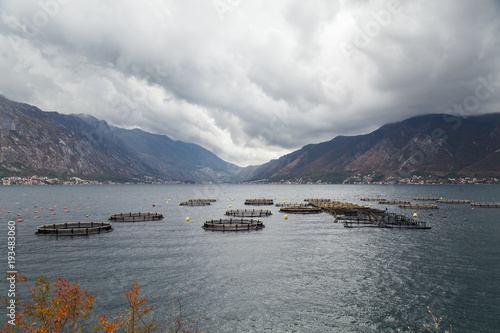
(292, 204)
(486, 204)
(136, 217)
(74, 228)
(426, 198)
(248, 212)
(454, 201)
(259, 202)
(389, 220)
(394, 202)
(232, 224)
(313, 200)
(301, 209)
(418, 206)
(197, 202)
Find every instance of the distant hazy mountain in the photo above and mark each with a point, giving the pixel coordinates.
(37, 142)
(435, 144)
(176, 159)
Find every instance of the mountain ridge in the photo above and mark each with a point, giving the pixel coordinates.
(33, 141)
(435, 144)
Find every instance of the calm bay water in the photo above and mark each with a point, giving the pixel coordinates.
(304, 274)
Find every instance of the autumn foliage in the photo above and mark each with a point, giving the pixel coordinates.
(66, 307)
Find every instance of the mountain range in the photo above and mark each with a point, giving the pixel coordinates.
(39, 142)
(437, 144)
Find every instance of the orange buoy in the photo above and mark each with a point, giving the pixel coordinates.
(18, 214)
(52, 213)
(66, 211)
(26, 210)
(19, 220)
(36, 212)
(37, 217)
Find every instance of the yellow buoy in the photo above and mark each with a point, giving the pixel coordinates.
(86, 216)
(286, 217)
(229, 206)
(414, 214)
(187, 219)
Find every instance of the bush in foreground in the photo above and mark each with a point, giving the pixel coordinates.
(66, 307)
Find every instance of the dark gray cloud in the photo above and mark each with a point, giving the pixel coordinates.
(252, 80)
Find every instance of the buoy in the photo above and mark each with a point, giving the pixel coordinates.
(26, 210)
(65, 207)
(37, 217)
(36, 212)
(414, 214)
(229, 206)
(52, 213)
(187, 219)
(19, 220)
(286, 217)
(66, 211)
(154, 205)
(18, 214)
(86, 216)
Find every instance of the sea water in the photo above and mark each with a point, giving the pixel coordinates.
(301, 274)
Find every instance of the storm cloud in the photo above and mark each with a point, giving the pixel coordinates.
(252, 80)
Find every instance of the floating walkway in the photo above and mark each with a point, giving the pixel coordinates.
(197, 202)
(419, 206)
(486, 204)
(135, 217)
(301, 209)
(230, 224)
(248, 212)
(74, 228)
(453, 201)
(373, 199)
(259, 202)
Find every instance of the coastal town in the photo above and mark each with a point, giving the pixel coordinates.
(354, 179)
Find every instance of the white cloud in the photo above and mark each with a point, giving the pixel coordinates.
(249, 80)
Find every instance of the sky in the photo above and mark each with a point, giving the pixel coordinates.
(252, 80)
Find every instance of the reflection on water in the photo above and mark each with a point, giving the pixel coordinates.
(303, 274)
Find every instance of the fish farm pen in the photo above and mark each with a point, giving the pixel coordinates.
(486, 204)
(230, 224)
(248, 212)
(197, 202)
(419, 206)
(390, 220)
(301, 209)
(316, 200)
(453, 201)
(74, 228)
(292, 204)
(373, 199)
(426, 198)
(393, 202)
(259, 202)
(136, 217)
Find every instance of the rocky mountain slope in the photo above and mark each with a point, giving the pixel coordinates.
(435, 144)
(37, 142)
